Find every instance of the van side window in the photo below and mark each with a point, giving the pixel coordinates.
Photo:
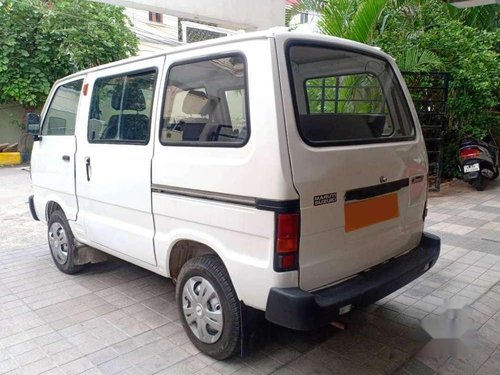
(61, 115)
(205, 103)
(120, 110)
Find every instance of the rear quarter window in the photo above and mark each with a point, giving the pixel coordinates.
(205, 103)
(346, 97)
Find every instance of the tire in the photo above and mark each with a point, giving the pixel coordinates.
(478, 183)
(495, 174)
(206, 275)
(62, 243)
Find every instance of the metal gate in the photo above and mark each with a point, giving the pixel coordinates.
(429, 92)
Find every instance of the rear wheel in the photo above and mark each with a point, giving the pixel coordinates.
(495, 174)
(209, 307)
(478, 183)
(62, 243)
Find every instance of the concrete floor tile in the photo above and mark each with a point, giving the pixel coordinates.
(102, 356)
(30, 357)
(490, 367)
(151, 365)
(94, 371)
(77, 366)
(67, 356)
(414, 312)
(148, 337)
(19, 349)
(115, 366)
(39, 367)
(8, 365)
(186, 367)
(228, 367)
(415, 367)
(126, 346)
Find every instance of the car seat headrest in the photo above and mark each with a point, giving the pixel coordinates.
(133, 100)
(194, 102)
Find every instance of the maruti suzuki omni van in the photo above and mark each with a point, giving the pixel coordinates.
(276, 171)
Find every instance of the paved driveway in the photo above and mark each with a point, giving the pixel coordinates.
(115, 318)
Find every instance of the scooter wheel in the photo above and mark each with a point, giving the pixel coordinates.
(478, 183)
(495, 175)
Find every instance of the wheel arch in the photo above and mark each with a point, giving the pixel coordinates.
(50, 207)
(184, 250)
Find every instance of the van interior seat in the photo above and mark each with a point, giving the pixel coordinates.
(341, 126)
(133, 126)
(196, 103)
(203, 127)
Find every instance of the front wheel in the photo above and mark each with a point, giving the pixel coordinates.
(209, 307)
(62, 243)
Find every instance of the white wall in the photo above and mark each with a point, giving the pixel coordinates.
(153, 36)
(310, 26)
(234, 14)
(9, 131)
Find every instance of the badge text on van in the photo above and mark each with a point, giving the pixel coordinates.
(325, 199)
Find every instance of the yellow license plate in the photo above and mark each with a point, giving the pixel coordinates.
(371, 211)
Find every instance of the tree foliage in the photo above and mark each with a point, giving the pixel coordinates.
(42, 41)
(355, 20)
(418, 60)
(350, 19)
(465, 48)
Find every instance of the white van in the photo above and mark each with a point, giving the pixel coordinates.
(274, 171)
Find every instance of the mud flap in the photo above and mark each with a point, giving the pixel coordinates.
(86, 254)
(251, 321)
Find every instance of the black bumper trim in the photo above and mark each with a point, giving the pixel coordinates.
(298, 309)
(31, 204)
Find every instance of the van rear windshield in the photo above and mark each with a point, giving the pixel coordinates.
(346, 97)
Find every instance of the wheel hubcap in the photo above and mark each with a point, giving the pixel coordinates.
(58, 243)
(202, 309)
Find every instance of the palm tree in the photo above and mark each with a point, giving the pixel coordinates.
(350, 19)
(418, 60)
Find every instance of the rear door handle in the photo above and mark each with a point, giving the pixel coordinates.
(87, 167)
(65, 157)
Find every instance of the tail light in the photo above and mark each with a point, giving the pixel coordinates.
(85, 88)
(286, 257)
(469, 152)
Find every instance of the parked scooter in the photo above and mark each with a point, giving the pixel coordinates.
(477, 162)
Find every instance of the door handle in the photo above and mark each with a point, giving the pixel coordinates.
(65, 157)
(87, 167)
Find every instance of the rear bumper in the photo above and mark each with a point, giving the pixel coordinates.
(298, 309)
(31, 204)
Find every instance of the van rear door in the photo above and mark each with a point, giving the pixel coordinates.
(357, 155)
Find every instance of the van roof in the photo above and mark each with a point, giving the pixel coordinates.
(270, 33)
